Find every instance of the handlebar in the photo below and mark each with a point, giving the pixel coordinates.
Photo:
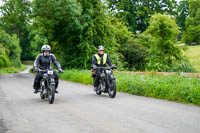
(40, 70)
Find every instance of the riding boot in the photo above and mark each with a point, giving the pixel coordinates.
(56, 86)
(36, 87)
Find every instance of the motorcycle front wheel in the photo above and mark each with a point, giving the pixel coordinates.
(51, 94)
(112, 89)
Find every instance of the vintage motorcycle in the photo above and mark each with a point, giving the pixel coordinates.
(107, 82)
(47, 85)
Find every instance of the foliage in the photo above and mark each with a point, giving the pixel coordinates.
(192, 34)
(164, 51)
(10, 44)
(75, 29)
(15, 19)
(174, 87)
(4, 61)
(135, 54)
(182, 14)
(79, 76)
(38, 39)
(136, 13)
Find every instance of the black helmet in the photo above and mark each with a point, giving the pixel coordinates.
(101, 47)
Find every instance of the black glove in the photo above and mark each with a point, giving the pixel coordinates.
(113, 67)
(35, 69)
(60, 70)
(94, 67)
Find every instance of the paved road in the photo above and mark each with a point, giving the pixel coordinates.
(78, 110)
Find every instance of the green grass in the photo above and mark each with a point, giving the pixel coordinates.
(12, 69)
(193, 54)
(173, 88)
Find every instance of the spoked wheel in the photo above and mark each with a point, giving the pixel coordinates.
(51, 94)
(41, 94)
(112, 89)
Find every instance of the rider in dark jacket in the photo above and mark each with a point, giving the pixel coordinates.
(44, 61)
(100, 60)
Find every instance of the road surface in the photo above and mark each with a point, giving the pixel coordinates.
(77, 109)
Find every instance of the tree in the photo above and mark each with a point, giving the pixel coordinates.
(15, 19)
(192, 34)
(10, 49)
(74, 29)
(136, 13)
(164, 30)
(182, 14)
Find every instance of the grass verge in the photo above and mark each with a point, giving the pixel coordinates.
(193, 55)
(173, 88)
(12, 69)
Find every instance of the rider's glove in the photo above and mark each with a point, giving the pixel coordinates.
(113, 67)
(35, 69)
(60, 70)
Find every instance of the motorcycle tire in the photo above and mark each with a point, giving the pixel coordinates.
(51, 94)
(112, 91)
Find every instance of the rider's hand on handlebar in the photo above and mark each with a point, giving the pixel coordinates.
(113, 67)
(35, 69)
(60, 70)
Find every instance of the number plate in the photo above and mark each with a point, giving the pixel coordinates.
(50, 72)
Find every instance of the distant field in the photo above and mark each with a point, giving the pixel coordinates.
(193, 54)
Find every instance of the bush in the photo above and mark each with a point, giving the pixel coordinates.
(4, 61)
(11, 48)
(134, 54)
(176, 66)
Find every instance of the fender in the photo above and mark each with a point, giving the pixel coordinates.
(52, 81)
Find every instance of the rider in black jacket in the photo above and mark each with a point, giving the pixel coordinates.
(100, 60)
(44, 61)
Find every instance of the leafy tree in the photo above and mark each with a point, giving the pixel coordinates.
(164, 30)
(102, 29)
(74, 29)
(59, 22)
(136, 13)
(15, 18)
(10, 50)
(192, 34)
(182, 14)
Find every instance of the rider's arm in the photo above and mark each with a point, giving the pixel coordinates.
(109, 61)
(37, 61)
(94, 62)
(55, 61)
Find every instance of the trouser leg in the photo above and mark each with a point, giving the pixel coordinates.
(96, 79)
(36, 84)
(56, 78)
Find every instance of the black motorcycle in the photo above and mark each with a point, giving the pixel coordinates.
(107, 82)
(47, 85)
